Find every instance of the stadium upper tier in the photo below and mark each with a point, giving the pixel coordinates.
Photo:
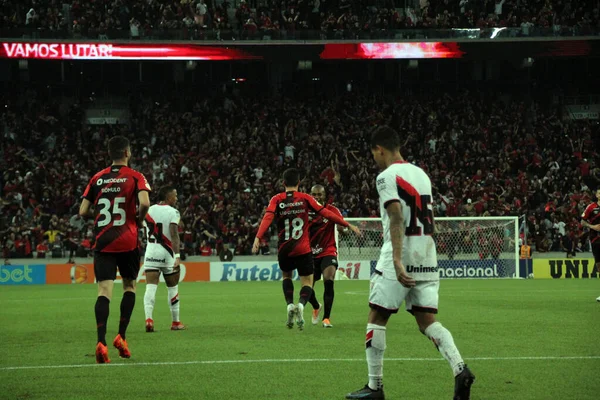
(296, 19)
(487, 154)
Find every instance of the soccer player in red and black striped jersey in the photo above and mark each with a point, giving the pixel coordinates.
(291, 209)
(591, 219)
(117, 198)
(324, 250)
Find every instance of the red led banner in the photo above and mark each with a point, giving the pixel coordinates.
(412, 50)
(97, 51)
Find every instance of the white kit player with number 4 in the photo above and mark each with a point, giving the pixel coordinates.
(407, 269)
(162, 255)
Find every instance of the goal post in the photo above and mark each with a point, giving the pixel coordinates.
(467, 247)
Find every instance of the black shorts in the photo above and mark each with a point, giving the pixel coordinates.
(322, 263)
(106, 264)
(596, 252)
(304, 264)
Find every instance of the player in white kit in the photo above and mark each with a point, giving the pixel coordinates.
(162, 255)
(407, 270)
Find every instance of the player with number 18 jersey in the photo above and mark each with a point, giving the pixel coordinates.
(291, 209)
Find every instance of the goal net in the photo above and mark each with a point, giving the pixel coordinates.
(467, 247)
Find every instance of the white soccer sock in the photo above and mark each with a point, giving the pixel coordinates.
(442, 338)
(149, 298)
(375, 344)
(174, 302)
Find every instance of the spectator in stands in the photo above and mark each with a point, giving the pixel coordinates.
(205, 249)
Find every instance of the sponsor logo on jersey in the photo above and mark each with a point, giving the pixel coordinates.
(420, 269)
(101, 181)
(156, 260)
(296, 204)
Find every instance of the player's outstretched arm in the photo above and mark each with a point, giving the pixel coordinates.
(394, 210)
(264, 225)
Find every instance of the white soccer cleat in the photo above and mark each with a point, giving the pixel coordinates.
(598, 299)
(316, 314)
(300, 316)
(291, 313)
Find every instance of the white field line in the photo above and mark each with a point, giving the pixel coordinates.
(352, 293)
(297, 360)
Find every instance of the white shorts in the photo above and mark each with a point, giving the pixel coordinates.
(158, 259)
(388, 294)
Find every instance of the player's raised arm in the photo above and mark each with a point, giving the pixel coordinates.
(264, 224)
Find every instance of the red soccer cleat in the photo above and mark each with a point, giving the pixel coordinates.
(149, 325)
(121, 345)
(177, 326)
(101, 354)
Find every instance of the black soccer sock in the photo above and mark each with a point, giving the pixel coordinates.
(305, 293)
(102, 309)
(328, 296)
(313, 300)
(288, 290)
(127, 305)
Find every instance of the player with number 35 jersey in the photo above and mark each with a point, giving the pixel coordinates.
(117, 198)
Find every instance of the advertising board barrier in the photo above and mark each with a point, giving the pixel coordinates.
(564, 268)
(22, 274)
(84, 273)
(269, 271)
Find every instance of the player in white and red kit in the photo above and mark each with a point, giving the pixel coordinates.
(162, 255)
(117, 198)
(291, 209)
(408, 248)
(324, 250)
(591, 219)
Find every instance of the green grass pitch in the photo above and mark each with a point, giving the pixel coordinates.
(523, 339)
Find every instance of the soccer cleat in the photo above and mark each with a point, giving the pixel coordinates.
(367, 393)
(326, 323)
(177, 326)
(291, 313)
(462, 384)
(316, 313)
(598, 299)
(101, 354)
(149, 325)
(300, 316)
(121, 345)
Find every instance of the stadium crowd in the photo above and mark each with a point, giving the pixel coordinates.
(257, 19)
(226, 154)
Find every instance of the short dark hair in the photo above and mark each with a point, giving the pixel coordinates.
(291, 177)
(117, 146)
(385, 137)
(318, 187)
(164, 192)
